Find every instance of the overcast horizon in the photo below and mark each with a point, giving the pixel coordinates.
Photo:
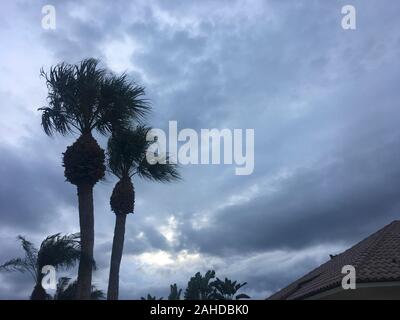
(323, 103)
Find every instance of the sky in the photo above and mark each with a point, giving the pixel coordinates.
(322, 100)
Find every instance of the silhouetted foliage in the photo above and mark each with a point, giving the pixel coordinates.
(66, 290)
(175, 294)
(203, 288)
(199, 287)
(83, 98)
(86, 97)
(61, 252)
(126, 152)
(149, 297)
(227, 289)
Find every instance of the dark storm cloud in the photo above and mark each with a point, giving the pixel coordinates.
(318, 204)
(32, 189)
(339, 122)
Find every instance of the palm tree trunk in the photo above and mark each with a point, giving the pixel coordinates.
(38, 292)
(86, 221)
(116, 256)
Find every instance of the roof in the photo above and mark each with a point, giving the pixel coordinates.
(376, 259)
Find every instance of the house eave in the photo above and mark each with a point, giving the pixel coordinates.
(338, 289)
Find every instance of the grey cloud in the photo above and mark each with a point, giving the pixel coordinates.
(321, 203)
(32, 190)
(322, 102)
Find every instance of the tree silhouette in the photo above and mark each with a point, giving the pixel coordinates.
(199, 287)
(175, 294)
(203, 288)
(81, 99)
(66, 290)
(61, 252)
(227, 289)
(126, 152)
(150, 297)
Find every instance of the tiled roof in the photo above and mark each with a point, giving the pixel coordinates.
(376, 259)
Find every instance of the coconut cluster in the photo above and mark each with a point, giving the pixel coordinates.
(84, 161)
(123, 197)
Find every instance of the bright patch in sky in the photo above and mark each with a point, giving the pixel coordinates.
(119, 54)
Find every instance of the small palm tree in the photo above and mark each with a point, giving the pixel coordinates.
(203, 288)
(200, 287)
(56, 250)
(66, 290)
(81, 99)
(227, 290)
(126, 158)
(174, 294)
(150, 297)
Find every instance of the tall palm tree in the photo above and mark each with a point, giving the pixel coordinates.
(56, 250)
(127, 157)
(84, 98)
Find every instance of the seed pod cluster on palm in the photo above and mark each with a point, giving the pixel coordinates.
(122, 200)
(84, 161)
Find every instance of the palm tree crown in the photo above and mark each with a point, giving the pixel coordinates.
(61, 252)
(127, 150)
(86, 97)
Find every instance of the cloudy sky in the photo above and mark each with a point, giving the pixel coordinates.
(323, 102)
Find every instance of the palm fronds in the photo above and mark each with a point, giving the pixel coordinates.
(203, 288)
(126, 152)
(227, 289)
(26, 264)
(17, 264)
(174, 294)
(59, 251)
(56, 250)
(150, 297)
(66, 290)
(199, 287)
(122, 102)
(161, 172)
(86, 96)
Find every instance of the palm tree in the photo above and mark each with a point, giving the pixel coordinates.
(150, 297)
(127, 157)
(56, 250)
(227, 290)
(174, 294)
(81, 99)
(200, 287)
(66, 290)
